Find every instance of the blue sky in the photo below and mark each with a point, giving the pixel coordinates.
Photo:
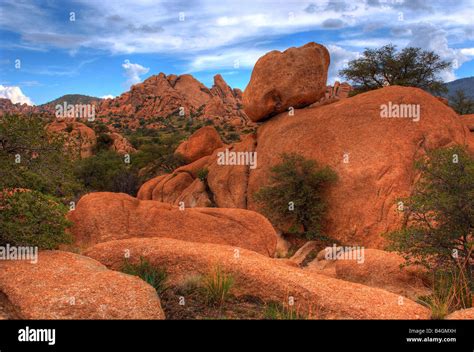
(112, 44)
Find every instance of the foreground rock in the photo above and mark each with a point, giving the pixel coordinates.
(373, 156)
(64, 285)
(200, 144)
(280, 80)
(101, 217)
(269, 279)
(463, 314)
(382, 269)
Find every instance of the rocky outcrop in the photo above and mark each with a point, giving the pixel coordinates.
(334, 93)
(162, 96)
(79, 138)
(224, 185)
(280, 80)
(200, 144)
(120, 144)
(63, 285)
(373, 156)
(101, 217)
(269, 279)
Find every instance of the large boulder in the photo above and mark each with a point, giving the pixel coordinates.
(280, 80)
(101, 217)
(259, 276)
(200, 144)
(120, 144)
(373, 156)
(384, 270)
(63, 285)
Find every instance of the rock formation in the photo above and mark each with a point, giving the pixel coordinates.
(201, 143)
(280, 80)
(269, 279)
(79, 138)
(63, 285)
(103, 216)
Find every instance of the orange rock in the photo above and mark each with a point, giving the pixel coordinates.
(63, 285)
(269, 279)
(201, 143)
(280, 80)
(468, 120)
(382, 269)
(120, 144)
(101, 217)
(463, 314)
(78, 137)
(373, 156)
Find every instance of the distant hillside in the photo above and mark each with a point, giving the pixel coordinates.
(73, 99)
(465, 84)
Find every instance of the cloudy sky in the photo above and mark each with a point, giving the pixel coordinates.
(100, 47)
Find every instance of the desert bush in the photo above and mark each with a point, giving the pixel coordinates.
(277, 311)
(32, 159)
(295, 195)
(217, 286)
(156, 277)
(439, 218)
(107, 172)
(30, 218)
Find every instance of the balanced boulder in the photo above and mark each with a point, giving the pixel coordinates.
(280, 80)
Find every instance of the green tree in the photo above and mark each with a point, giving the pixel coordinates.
(107, 172)
(295, 195)
(30, 158)
(411, 67)
(439, 214)
(461, 103)
(30, 218)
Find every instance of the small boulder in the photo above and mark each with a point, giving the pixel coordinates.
(201, 143)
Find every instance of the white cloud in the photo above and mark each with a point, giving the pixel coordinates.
(133, 72)
(108, 96)
(226, 59)
(15, 94)
(339, 58)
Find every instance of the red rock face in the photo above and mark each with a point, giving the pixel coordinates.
(380, 154)
(7, 107)
(373, 157)
(78, 137)
(468, 121)
(120, 144)
(161, 96)
(103, 216)
(280, 80)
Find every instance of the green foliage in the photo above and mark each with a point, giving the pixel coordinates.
(440, 214)
(411, 67)
(276, 311)
(202, 174)
(300, 182)
(43, 164)
(104, 142)
(461, 103)
(30, 218)
(156, 277)
(107, 172)
(217, 286)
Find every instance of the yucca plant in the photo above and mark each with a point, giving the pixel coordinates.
(217, 286)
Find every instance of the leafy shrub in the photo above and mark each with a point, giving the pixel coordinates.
(202, 174)
(295, 196)
(156, 277)
(30, 218)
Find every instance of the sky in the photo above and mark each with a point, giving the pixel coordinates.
(100, 48)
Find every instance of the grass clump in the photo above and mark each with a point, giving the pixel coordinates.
(156, 277)
(217, 286)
